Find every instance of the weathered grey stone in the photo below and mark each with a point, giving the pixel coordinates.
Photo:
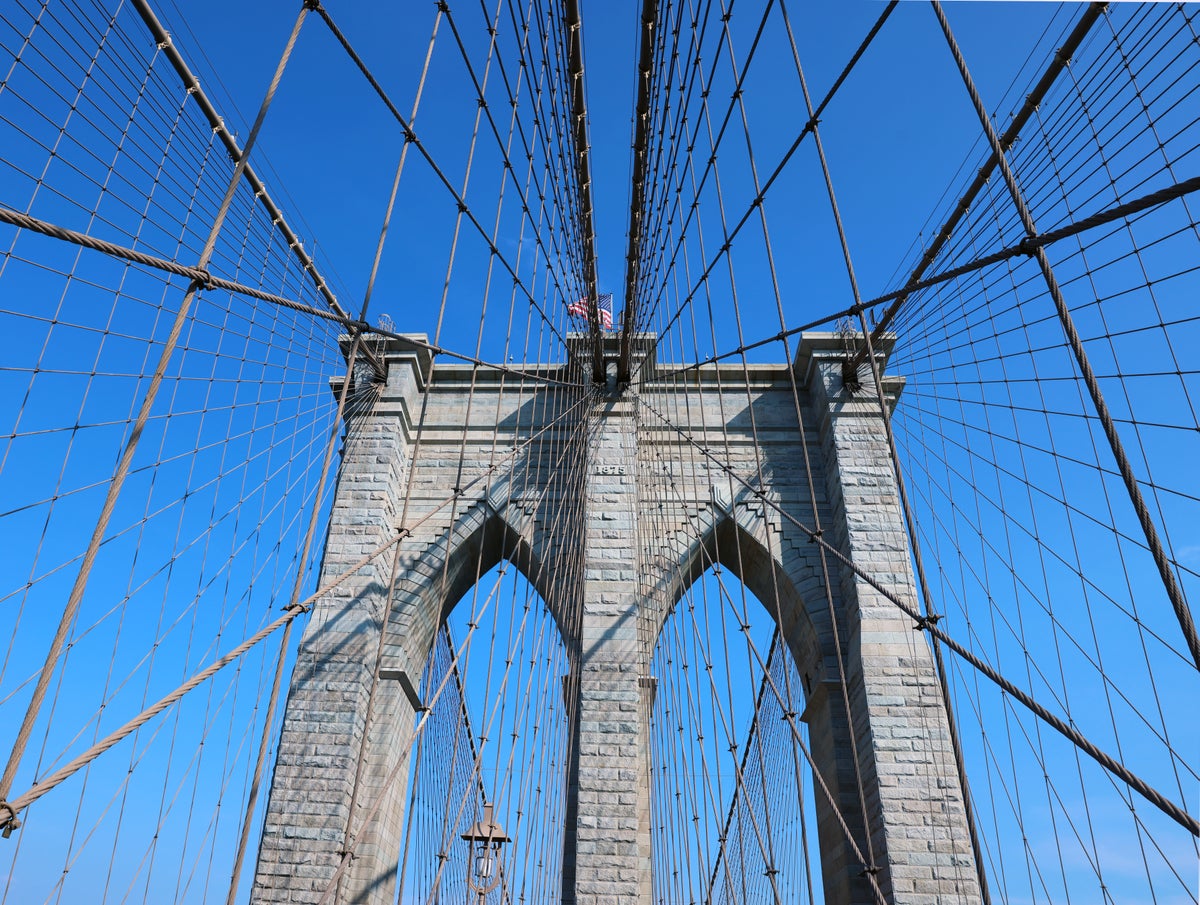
(657, 513)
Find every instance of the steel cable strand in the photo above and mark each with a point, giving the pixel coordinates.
(885, 419)
(1174, 593)
(790, 719)
(353, 842)
(411, 136)
(9, 810)
(715, 141)
(1177, 372)
(1164, 804)
(778, 169)
(743, 620)
(1025, 248)
(352, 838)
(123, 466)
(867, 829)
(235, 153)
(1061, 58)
(509, 173)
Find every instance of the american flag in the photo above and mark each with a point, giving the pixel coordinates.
(579, 308)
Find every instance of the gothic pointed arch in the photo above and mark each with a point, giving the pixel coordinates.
(439, 565)
(746, 537)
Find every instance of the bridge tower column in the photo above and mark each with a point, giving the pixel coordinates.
(606, 852)
(321, 744)
(913, 798)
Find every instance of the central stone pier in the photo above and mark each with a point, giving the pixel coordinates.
(607, 852)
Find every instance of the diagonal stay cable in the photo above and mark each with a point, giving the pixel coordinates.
(1152, 795)
(208, 281)
(75, 599)
(1026, 247)
(201, 275)
(10, 809)
(783, 162)
(192, 84)
(410, 135)
(901, 486)
(238, 155)
(1174, 592)
(1061, 58)
(710, 561)
(343, 393)
(716, 137)
(561, 206)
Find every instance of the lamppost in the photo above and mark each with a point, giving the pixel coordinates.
(485, 837)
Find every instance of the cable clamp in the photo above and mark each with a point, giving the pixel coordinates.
(1027, 246)
(8, 819)
(203, 279)
(927, 622)
(815, 536)
(870, 869)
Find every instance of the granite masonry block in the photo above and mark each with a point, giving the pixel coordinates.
(630, 557)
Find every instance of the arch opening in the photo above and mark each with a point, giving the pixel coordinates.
(495, 734)
(725, 762)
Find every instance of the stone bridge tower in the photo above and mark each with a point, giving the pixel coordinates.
(404, 458)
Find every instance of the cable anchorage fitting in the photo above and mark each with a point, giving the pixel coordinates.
(8, 819)
(924, 623)
(202, 279)
(1028, 246)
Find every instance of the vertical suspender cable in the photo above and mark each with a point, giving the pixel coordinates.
(351, 359)
(1061, 58)
(641, 164)
(583, 174)
(139, 425)
(1174, 592)
(885, 418)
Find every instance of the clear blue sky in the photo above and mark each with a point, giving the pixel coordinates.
(895, 138)
(902, 140)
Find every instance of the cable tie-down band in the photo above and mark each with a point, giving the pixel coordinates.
(8, 819)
